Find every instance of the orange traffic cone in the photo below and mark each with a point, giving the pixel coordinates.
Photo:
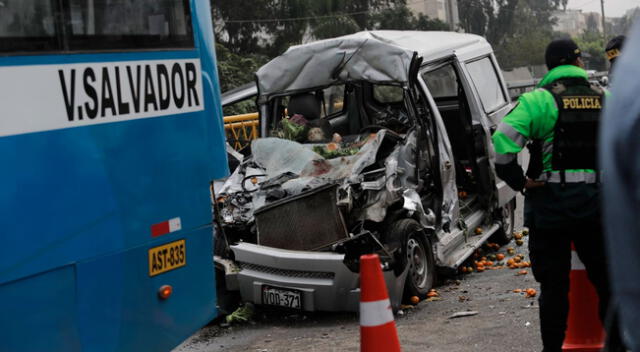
(584, 330)
(377, 328)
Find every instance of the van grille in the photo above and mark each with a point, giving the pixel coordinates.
(288, 273)
(308, 221)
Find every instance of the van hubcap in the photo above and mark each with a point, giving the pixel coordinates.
(417, 259)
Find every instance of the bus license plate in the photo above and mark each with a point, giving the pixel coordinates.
(167, 257)
(281, 297)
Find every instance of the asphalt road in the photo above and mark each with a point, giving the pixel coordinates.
(506, 321)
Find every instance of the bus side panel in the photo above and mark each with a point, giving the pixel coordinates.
(49, 323)
(82, 195)
(131, 316)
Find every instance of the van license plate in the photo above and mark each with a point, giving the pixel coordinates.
(167, 257)
(282, 297)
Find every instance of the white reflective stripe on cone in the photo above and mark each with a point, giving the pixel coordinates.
(576, 263)
(375, 313)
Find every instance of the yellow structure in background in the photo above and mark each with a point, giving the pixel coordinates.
(241, 129)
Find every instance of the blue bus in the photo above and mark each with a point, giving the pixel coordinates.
(110, 135)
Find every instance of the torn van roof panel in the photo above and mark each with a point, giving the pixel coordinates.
(373, 56)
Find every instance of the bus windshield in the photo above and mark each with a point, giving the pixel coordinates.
(82, 25)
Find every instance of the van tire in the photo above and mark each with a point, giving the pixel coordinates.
(504, 234)
(418, 255)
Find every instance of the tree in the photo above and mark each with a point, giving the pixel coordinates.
(400, 17)
(592, 24)
(518, 30)
(271, 26)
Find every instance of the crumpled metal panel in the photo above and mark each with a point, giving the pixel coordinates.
(363, 56)
(273, 157)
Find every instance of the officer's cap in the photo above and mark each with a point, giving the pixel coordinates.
(561, 52)
(613, 48)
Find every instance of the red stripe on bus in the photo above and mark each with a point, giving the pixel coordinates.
(160, 229)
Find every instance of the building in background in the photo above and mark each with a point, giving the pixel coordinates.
(444, 10)
(575, 22)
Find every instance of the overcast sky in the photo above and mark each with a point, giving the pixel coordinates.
(612, 8)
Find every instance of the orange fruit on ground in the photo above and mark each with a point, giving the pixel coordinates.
(517, 236)
(531, 292)
(469, 269)
(432, 293)
(517, 259)
(499, 256)
(489, 263)
(517, 290)
(513, 266)
(415, 299)
(522, 272)
(511, 262)
(480, 268)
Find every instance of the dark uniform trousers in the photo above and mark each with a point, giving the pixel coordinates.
(550, 252)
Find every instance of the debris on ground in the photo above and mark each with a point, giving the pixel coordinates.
(241, 315)
(463, 314)
(529, 292)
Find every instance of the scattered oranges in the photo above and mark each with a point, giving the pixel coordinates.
(415, 300)
(432, 293)
(522, 272)
(478, 231)
(499, 256)
(531, 292)
(517, 290)
(517, 236)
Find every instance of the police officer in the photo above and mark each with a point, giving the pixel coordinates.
(562, 193)
(613, 48)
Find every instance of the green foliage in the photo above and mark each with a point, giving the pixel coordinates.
(399, 17)
(518, 30)
(249, 34)
(592, 46)
(235, 70)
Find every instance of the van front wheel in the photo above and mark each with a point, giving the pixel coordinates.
(417, 257)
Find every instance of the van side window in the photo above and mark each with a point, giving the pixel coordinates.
(442, 82)
(485, 79)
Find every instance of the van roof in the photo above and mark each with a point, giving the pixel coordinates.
(373, 56)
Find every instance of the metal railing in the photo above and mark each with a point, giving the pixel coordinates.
(241, 129)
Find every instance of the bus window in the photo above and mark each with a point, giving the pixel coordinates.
(27, 25)
(102, 24)
(94, 25)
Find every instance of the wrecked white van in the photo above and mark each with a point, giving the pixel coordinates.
(376, 142)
